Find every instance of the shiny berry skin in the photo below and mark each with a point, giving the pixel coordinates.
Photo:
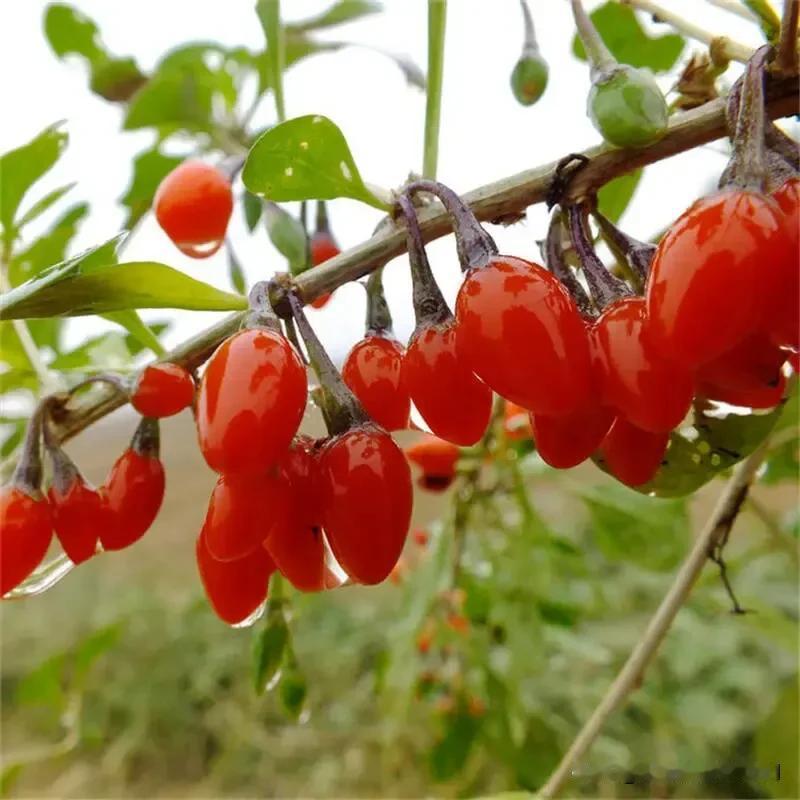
(193, 205)
(521, 333)
(372, 370)
(454, 404)
(244, 508)
(250, 403)
(782, 317)
(632, 455)
(711, 275)
(235, 589)
(634, 378)
(323, 247)
(565, 442)
(296, 544)
(26, 530)
(754, 363)
(767, 396)
(134, 491)
(437, 459)
(162, 390)
(80, 512)
(366, 497)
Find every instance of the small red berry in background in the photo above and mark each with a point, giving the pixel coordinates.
(715, 273)
(565, 442)
(437, 459)
(458, 623)
(455, 405)
(421, 537)
(634, 378)
(162, 390)
(251, 399)
(322, 247)
(366, 498)
(373, 371)
(193, 205)
(235, 589)
(296, 543)
(516, 422)
(26, 530)
(632, 455)
(134, 489)
(767, 396)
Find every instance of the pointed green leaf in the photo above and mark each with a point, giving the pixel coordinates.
(268, 649)
(22, 167)
(116, 79)
(303, 159)
(288, 236)
(71, 31)
(628, 42)
(293, 687)
(235, 272)
(181, 96)
(133, 323)
(615, 196)
(269, 14)
(340, 12)
(40, 206)
(252, 209)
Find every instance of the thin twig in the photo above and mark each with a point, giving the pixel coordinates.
(734, 51)
(491, 202)
(734, 7)
(787, 59)
(630, 676)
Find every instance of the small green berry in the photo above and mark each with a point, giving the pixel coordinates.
(529, 78)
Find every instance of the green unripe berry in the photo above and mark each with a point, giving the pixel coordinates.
(529, 78)
(627, 107)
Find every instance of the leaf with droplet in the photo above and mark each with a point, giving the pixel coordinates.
(305, 158)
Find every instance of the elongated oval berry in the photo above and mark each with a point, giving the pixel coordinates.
(754, 363)
(243, 510)
(565, 442)
(297, 545)
(521, 333)
(366, 496)
(26, 530)
(235, 589)
(250, 403)
(766, 396)
(162, 390)
(632, 455)
(80, 512)
(706, 289)
(455, 405)
(782, 316)
(193, 205)
(372, 370)
(437, 459)
(648, 390)
(134, 489)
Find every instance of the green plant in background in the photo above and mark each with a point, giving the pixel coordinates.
(493, 645)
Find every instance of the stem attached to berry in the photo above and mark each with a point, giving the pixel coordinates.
(379, 318)
(600, 58)
(787, 58)
(554, 258)
(638, 255)
(322, 224)
(28, 472)
(475, 246)
(146, 439)
(261, 313)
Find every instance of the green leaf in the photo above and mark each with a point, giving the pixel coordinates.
(40, 206)
(615, 196)
(449, 755)
(235, 272)
(268, 650)
(150, 167)
(92, 647)
(269, 15)
(339, 13)
(43, 684)
(8, 777)
(777, 742)
(628, 42)
(116, 79)
(625, 525)
(253, 206)
(70, 31)
(303, 159)
(22, 167)
(288, 236)
(134, 324)
(293, 688)
(180, 97)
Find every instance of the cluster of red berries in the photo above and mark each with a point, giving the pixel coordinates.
(86, 519)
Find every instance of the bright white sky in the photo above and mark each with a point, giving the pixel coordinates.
(485, 134)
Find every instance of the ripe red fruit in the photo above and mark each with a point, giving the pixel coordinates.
(455, 405)
(80, 512)
(323, 247)
(437, 460)
(26, 529)
(632, 455)
(765, 396)
(711, 275)
(134, 489)
(296, 544)
(235, 589)
(782, 317)
(421, 537)
(162, 390)
(565, 442)
(193, 205)
(634, 378)
(372, 370)
(251, 400)
(521, 333)
(366, 497)
(754, 363)
(244, 508)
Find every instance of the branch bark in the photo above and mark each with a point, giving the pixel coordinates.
(496, 202)
(629, 678)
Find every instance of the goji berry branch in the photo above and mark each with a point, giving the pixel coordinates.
(495, 202)
(716, 529)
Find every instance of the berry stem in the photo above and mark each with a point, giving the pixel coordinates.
(322, 224)
(787, 59)
(261, 313)
(604, 287)
(599, 56)
(437, 22)
(339, 406)
(529, 45)
(430, 307)
(28, 472)
(146, 439)
(554, 258)
(638, 255)
(379, 318)
(474, 245)
(65, 471)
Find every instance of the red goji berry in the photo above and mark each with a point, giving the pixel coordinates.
(631, 454)
(26, 530)
(162, 390)
(437, 459)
